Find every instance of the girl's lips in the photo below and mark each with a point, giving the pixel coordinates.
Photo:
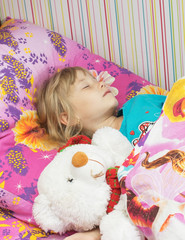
(108, 91)
(179, 108)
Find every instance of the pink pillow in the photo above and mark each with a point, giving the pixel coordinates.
(29, 55)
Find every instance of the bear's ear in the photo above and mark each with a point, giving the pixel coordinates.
(107, 137)
(45, 217)
(113, 141)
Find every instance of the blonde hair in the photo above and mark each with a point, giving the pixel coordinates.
(52, 100)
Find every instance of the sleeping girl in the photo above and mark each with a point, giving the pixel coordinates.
(73, 102)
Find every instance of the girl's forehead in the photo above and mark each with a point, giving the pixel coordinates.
(82, 75)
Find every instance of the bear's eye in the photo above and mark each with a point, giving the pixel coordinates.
(70, 179)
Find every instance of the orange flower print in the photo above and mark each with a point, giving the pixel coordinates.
(28, 131)
(150, 89)
(107, 78)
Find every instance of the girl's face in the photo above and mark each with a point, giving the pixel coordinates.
(91, 100)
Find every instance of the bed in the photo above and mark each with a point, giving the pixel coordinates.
(29, 55)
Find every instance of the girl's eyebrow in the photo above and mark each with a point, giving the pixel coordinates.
(81, 80)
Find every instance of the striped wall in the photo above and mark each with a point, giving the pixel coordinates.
(145, 36)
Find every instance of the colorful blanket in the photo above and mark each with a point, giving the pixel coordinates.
(153, 176)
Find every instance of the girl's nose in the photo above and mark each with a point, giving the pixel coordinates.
(102, 84)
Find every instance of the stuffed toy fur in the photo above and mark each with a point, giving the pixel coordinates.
(73, 193)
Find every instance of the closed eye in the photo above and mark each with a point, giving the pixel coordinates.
(86, 87)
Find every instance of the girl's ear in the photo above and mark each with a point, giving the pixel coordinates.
(64, 118)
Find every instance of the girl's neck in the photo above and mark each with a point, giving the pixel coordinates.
(113, 121)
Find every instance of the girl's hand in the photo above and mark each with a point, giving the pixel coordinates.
(90, 235)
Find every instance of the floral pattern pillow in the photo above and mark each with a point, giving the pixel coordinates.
(29, 55)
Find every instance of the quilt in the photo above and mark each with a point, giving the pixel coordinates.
(153, 176)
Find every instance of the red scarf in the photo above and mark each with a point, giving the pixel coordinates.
(112, 181)
(81, 139)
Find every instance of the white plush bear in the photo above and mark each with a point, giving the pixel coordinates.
(73, 193)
